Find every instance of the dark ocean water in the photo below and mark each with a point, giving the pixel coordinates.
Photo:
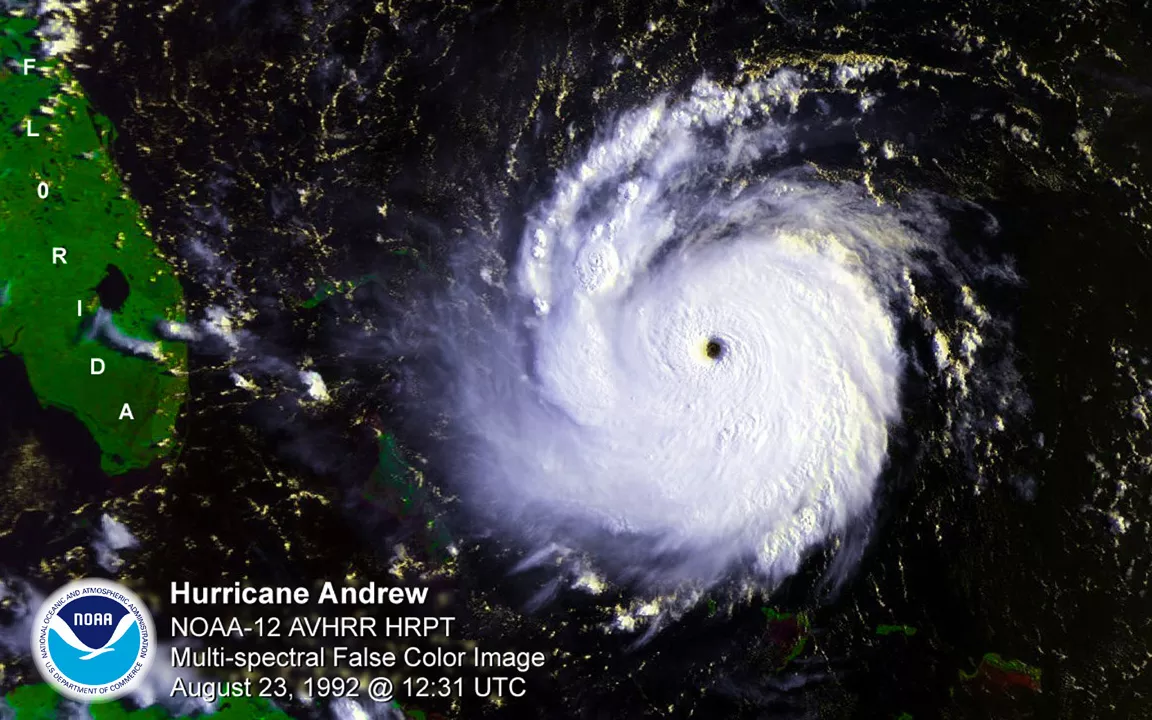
(1007, 544)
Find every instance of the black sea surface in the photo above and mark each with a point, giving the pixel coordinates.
(268, 135)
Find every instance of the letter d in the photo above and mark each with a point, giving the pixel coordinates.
(97, 366)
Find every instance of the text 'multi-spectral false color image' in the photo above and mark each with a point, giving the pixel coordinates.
(720, 360)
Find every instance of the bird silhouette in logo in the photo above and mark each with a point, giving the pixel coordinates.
(67, 635)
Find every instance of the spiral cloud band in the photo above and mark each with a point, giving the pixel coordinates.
(697, 366)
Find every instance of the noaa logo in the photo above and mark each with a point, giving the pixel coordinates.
(93, 640)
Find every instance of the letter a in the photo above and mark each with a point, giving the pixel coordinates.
(98, 369)
(127, 412)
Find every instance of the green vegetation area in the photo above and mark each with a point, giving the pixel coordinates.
(774, 615)
(788, 632)
(328, 288)
(1005, 672)
(41, 702)
(907, 630)
(399, 489)
(89, 212)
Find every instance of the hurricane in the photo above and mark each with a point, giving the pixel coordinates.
(691, 367)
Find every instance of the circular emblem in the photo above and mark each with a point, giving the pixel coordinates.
(93, 640)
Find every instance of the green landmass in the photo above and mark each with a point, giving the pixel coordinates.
(411, 714)
(329, 288)
(33, 702)
(895, 629)
(788, 632)
(1008, 672)
(399, 489)
(41, 702)
(774, 615)
(89, 212)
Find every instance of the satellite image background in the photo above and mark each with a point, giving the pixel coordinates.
(315, 173)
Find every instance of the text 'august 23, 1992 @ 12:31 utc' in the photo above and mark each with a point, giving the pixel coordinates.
(292, 649)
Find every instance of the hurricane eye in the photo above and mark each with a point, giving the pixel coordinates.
(715, 348)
